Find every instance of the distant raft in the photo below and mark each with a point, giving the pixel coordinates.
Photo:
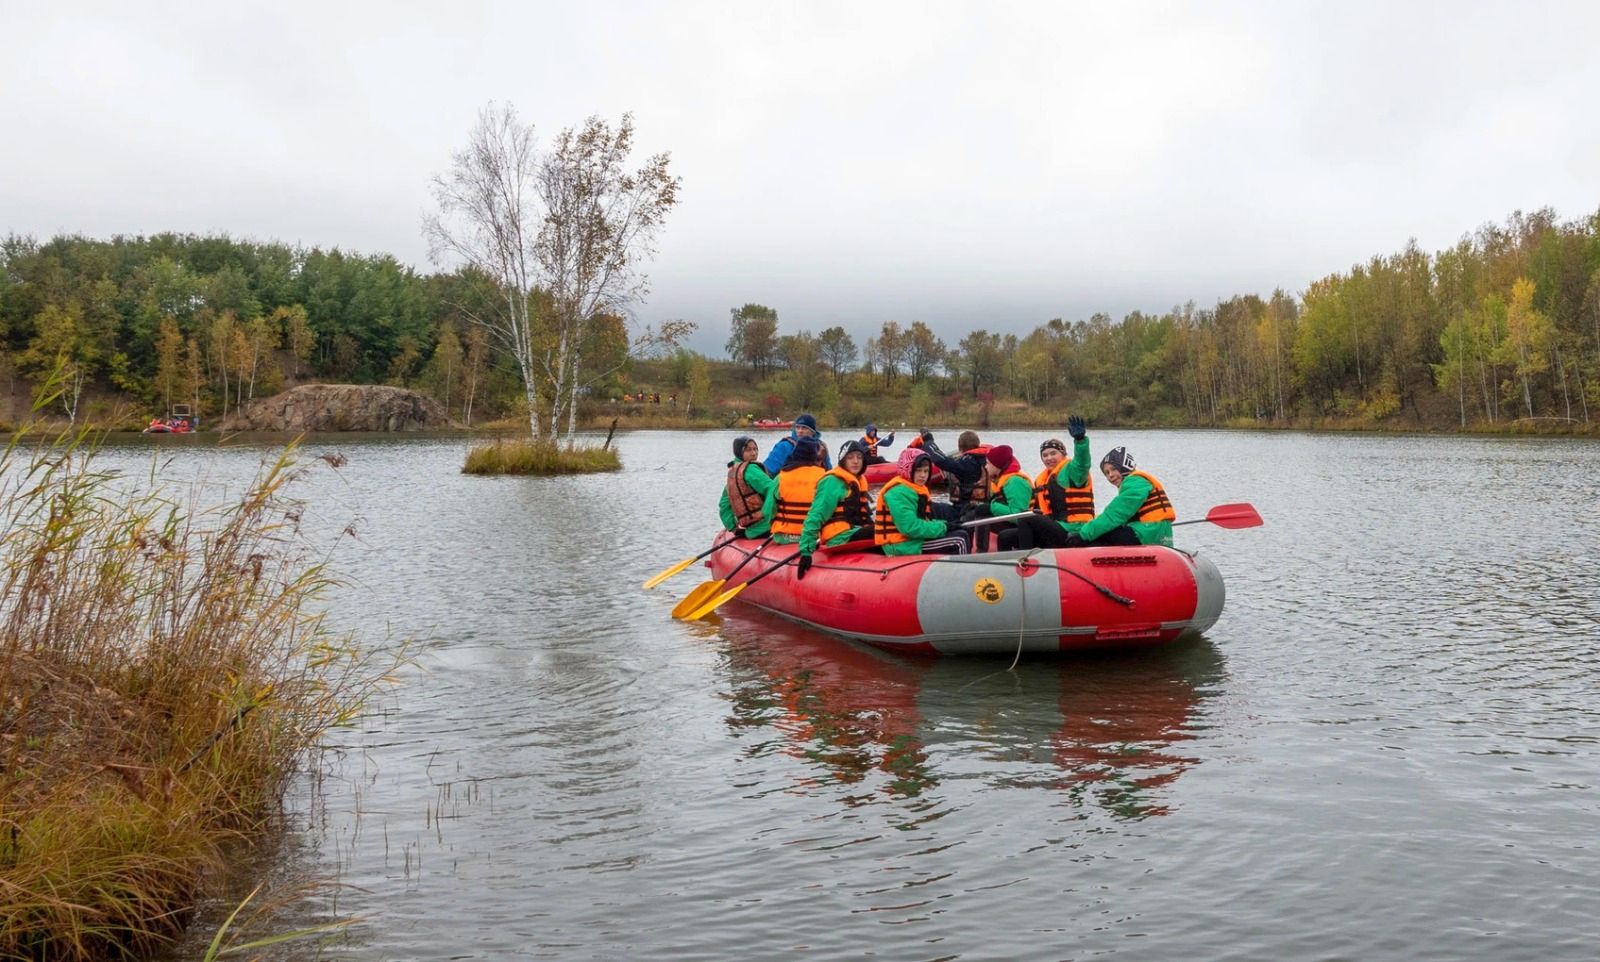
(1043, 601)
(877, 474)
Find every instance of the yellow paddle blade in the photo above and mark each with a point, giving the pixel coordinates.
(663, 576)
(716, 602)
(692, 600)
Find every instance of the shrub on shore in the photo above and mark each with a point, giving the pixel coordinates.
(540, 457)
(162, 674)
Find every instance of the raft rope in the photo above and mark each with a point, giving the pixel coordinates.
(884, 573)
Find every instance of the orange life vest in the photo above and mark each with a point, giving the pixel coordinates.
(745, 500)
(871, 444)
(883, 529)
(999, 484)
(1072, 505)
(1156, 507)
(852, 511)
(797, 488)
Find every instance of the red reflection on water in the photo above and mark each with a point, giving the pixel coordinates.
(851, 712)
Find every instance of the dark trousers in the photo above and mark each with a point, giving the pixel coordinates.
(1040, 532)
(1121, 536)
(1034, 531)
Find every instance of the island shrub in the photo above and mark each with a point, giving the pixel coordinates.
(164, 669)
(525, 456)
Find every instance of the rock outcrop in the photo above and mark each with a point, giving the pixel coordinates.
(341, 407)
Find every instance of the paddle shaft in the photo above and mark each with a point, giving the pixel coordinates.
(663, 576)
(733, 592)
(749, 558)
(997, 519)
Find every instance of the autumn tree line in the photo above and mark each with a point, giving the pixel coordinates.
(1503, 327)
(213, 322)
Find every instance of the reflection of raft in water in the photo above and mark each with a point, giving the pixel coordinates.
(1043, 601)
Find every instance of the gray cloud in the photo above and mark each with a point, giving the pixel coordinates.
(990, 165)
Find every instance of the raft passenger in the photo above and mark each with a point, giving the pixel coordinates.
(795, 488)
(805, 426)
(1013, 494)
(1139, 514)
(840, 508)
(1063, 494)
(964, 472)
(744, 495)
(904, 523)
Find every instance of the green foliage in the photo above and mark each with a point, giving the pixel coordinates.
(1505, 324)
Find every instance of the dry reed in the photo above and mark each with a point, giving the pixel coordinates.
(163, 670)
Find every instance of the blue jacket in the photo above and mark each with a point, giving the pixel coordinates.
(780, 454)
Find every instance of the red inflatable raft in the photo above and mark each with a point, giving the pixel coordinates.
(768, 425)
(1042, 601)
(877, 474)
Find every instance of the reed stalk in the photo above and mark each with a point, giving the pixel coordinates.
(164, 668)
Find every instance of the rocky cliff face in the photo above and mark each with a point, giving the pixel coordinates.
(341, 407)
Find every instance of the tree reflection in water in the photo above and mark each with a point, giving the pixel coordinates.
(1106, 731)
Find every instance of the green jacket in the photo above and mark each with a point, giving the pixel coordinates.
(902, 502)
(830, 491)
(758, 480)
(1014, 496)
(1121, 511)
(1075, 473)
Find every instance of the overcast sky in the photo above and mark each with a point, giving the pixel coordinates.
(965, 164)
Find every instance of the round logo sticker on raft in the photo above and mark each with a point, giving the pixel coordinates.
(989, 591)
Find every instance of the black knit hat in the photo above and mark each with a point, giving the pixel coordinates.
(738, 446)
(1120, 459)
(806, 451)
(1052, 443)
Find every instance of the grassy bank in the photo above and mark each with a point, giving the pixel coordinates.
(162, 673)
(523, 456)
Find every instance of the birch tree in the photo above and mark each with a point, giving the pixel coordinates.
(561, 236)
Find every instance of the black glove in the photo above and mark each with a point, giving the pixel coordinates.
(1073, 541)
(948, 527)
(739, 533)
(970, 512)
(1076, 428)
(927, 437)
(804, 566)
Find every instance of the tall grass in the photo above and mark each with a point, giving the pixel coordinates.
(539, 457)
(163, 670)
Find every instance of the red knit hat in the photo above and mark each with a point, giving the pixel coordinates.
(1000, 456)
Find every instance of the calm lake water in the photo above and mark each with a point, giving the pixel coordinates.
(1388, 747)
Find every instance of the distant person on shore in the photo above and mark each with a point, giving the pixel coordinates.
(904, 523)
(841, 507)
(1139, 514)
(805, 426)
(744, 495)
(869, 440)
